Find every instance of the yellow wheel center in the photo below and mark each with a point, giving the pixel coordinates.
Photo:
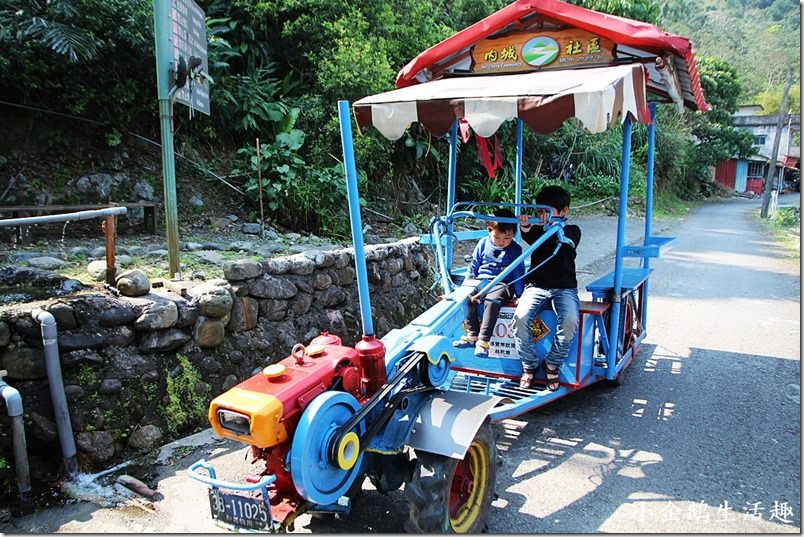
(348, 450)
(477, 461)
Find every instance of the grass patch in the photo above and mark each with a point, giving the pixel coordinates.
(187, 394)
(785, 226)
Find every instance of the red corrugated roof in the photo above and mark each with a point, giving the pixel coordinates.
(622, 31)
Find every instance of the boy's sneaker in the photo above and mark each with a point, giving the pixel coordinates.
(465, 342)
(482, 348)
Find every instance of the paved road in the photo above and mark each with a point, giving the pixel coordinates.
(704, 435)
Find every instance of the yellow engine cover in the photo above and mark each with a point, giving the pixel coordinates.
(264, 410)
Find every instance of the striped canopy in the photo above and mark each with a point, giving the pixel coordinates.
(598, 97)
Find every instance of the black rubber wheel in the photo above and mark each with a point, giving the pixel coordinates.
(447, 495)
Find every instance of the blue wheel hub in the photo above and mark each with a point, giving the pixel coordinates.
(318, 478)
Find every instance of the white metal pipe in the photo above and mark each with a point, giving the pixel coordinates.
(57, 396)
(63, 217)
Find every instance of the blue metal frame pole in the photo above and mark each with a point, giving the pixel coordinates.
(451, 176)
(614, 326)
(649, 207)
(518, 194)
(354, 216)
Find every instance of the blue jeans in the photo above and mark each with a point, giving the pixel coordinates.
(566, 306)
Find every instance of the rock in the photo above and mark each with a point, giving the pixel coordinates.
(244, 314)
(79, 251)
(297, 248)
(99, 252)
(196, 201)
(321, 281)
(187, 314)
(193, 246)
(46, 262)
(99, 186)
(293, 237)
(229, 382)
(330, 297)
(135, 250)
(251, 229)
(73, 392)
(374, 273)
(211, 300)
(394, 265)
(43, 429)
(72, 358)
(242, 269)
(271, 287)
(151, 254)
(158, 316)
(110, 386)
(232, 218)
(163, 341)
(273, 310)
(145, 438)
(23, 257)
(123, 260)
(30, 276)
(151, 376)
(208, 332)
(97, 446)
(210, 257)
(117, 315)
(71, 342)
(97, 269)
(156, 248)
(410, 229)
(245, 246)
(143, 190)
(64, 315)
(218, 223)
(133, 283)
(24, 364)
(301, 303)
(343, 260)
(70, 285)
(5, 334)
(212, 246)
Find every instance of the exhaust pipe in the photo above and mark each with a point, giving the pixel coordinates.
(57, 396)
(14, 407)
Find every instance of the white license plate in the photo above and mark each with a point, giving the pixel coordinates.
(241, 511)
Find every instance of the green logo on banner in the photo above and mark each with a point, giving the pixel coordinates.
(540, 51)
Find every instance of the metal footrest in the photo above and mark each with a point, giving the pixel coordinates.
(487, 385)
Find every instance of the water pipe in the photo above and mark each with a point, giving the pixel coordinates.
(14, 408)
(57, 396)
(63, 217)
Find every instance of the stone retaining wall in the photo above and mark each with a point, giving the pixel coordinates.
(140, 369)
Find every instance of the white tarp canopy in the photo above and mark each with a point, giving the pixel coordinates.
(543, 100)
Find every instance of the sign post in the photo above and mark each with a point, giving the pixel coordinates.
(180, 38)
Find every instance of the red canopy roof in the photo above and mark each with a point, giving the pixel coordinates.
(636, 41)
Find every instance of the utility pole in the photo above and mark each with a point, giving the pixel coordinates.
(770, 179)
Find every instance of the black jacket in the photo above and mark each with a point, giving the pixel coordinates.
(558, 272)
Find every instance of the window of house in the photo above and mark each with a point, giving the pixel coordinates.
(760, 139)
(755, 169)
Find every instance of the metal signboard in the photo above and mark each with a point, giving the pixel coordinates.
(189, 37)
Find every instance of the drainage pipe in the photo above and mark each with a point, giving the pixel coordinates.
(63, 217)
(57, 396)
(14, 407)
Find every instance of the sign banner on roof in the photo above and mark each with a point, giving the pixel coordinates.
(529, 51)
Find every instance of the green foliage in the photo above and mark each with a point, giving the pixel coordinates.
(641, 10)
(252, 102)
(771, 100)
(4, 464)
(601, 186)
(188, 397)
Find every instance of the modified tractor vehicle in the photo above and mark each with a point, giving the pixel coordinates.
(410, 409)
